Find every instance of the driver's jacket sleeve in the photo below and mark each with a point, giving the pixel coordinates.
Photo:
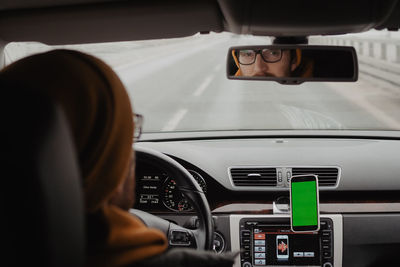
(185, 257)
(127, 241)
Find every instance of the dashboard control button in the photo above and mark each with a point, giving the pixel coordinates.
(326, 254)
(245, 233)
(246, 264)
(298, 254)
(280, 177)
(259, 249)
(246, 240)
(288, 176)
(326, 233)
(259, 236)
(259, 262)
(259, 242)
(327, 264)
(180, 238)
(309, 254)
(259, 255)
(246, 254)
(325, 226)
(326, 247)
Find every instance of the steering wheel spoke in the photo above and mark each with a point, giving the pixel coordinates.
(181, 237)
(177, 235)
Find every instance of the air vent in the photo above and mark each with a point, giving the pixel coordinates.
(326, 176)
(253, 176)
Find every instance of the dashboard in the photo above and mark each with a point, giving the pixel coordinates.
(245, 180)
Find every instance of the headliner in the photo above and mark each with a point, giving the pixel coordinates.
(88, 21)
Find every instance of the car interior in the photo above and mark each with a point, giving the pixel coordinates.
(221, 190)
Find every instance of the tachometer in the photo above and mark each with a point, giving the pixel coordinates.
(174, 199)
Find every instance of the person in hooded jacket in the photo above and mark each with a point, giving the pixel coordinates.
(99, 113)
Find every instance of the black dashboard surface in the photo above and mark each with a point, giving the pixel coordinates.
(153, 194)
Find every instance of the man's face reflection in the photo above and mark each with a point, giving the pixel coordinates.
(266, 63)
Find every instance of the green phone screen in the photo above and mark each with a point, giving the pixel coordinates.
(304, 203)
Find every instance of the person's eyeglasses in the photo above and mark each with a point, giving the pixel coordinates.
(248, 57)
(138, 120)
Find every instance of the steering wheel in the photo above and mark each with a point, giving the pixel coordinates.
(200, 238)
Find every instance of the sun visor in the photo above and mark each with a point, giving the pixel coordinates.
(303, 18)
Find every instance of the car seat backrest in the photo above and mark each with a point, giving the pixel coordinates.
(41, 192)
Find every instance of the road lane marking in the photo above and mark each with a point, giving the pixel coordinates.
(217, 68)
(174, 121)
(203, 86)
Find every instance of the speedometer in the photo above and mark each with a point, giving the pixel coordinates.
(174, 199)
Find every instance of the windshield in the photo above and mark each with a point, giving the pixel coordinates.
(180, 85)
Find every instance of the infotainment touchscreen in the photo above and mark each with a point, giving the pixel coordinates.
(271, 242)
(278, 245)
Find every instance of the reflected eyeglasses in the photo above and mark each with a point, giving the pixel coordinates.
(138, 121)
(248, 57)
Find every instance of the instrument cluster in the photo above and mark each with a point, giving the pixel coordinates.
(158, 191)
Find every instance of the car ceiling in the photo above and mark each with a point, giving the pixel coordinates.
(88, 21)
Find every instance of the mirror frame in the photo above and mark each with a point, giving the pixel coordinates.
(296, 80)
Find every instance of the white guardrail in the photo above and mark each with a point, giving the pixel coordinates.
(378, 59)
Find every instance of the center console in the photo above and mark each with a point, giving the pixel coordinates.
(266, 240)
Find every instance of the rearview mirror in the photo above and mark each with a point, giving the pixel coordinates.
(293, 64)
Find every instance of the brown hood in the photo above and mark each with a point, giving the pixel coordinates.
(98, 109)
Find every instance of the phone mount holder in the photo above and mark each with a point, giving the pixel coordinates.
(281, 205)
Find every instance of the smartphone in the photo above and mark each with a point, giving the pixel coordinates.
(304, 203)
(282, 247)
